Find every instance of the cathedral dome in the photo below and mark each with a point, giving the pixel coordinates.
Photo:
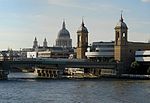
(63, 33)
(82, 28)
(63, 38)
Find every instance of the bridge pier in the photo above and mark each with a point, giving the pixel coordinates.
(3, 71)
(3, 74)
(47, 73)
(96, 72)
(100, 72)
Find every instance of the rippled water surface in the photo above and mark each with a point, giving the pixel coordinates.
(74, 91)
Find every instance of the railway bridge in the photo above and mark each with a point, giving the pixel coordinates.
(51, 66)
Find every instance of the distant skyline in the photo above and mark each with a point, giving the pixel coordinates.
(23, 20)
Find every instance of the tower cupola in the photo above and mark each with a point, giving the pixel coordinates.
(82, 28)
(35, 43)
(121, 23)
(45, 43)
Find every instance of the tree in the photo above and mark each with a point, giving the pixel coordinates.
(135, 67)
(148, 70)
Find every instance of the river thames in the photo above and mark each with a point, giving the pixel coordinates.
(74, 91)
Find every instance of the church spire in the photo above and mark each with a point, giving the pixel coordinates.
(82, 27)
(35, 39)
(45, 43)
(82, 22)
(45, 40)
(121, 16)
(35, 43)
(64, 25)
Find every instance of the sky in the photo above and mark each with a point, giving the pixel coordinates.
(23, 20)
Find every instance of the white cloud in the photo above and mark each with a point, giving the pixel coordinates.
(146, 1)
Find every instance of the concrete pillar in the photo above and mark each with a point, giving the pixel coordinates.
(3, 74)
(97, 71)
(55, 73)
(119, 68)
(92, 71)
(48, 73)
(52, 74)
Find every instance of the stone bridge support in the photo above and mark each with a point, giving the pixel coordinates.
(47, 73)
(93, 71)
(3, 74)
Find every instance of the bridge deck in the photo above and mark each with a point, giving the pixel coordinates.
(65, 63)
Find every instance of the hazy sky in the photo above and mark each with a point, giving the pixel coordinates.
(22, 20)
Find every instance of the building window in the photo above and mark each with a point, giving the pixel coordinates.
(117, 35)
(79, 38)
(130, 50)
(86, 39)
(124, 34)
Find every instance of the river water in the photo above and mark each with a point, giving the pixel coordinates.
(17, 90)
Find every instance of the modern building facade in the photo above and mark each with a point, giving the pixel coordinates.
(101, 51)
(142, 56)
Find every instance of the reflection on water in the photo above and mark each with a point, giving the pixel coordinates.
(74, 91)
